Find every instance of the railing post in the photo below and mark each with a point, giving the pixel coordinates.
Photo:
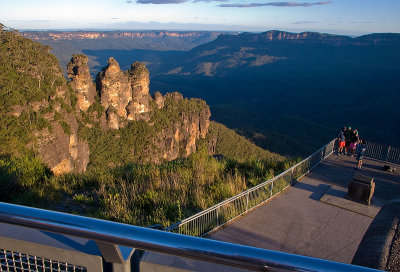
(247, 201)
(387, 154)
(272, 186)
(291, 177)
(217, 217)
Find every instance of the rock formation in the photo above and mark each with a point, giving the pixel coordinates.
(126, 126)
(158, 98)
(81, 82)
(139, 79)
(115, 92)
(124, 95)
(125, 98)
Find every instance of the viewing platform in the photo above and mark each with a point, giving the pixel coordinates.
(314, 217)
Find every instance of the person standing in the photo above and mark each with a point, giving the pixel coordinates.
(341, 141)
(347, 137)
(362, 147)
(353, 142)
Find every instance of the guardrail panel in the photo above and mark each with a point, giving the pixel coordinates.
(17, 261)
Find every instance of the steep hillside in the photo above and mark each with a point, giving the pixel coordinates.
(35, 107)
(233, 146)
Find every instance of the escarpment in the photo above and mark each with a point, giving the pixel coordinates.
(35, 108)
(71, 125)
(141, 127)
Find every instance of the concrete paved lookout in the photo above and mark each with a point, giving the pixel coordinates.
(313, 217)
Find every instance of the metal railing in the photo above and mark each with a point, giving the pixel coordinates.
(383, 152)
(113, 233)
(214, 217)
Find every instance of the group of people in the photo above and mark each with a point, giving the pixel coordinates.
(350, 143)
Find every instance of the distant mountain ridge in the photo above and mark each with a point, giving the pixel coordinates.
(276, 35)
(150, 45)
(81, 35)
(160, 40)
(229, 52)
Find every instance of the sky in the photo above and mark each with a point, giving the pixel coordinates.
(349, 17)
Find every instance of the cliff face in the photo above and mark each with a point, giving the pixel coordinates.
(95, 35)
(59, 145)
(35, 108)
(63, 152)
(180, 139)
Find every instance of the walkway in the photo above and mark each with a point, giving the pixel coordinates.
(314, 218)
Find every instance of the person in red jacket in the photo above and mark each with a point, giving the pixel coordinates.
(341, 141)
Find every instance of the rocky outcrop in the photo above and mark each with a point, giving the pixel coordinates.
(124, 95)
(159, 99)
(180, 139)
(139, 80)
(174, 124)
(81, 82)
(115, 92)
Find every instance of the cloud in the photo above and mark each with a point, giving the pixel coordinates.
(43, 21)
(354, 22)
(303, 22)
(196, 1)
(160, 2)
(275, 4)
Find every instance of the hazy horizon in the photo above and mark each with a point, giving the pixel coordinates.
(345, 17)
(194, 30)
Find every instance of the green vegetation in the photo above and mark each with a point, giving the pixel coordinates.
(28, 71)
(141, 194)
(29, 77)
(237, 147)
